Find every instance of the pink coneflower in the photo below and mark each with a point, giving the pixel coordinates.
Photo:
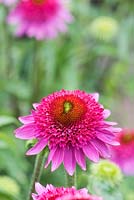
(42, 19)
(72, 124)
(123, 155)
(52, 193)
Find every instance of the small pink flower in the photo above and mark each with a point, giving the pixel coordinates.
(52, 193)
(123, 155)
(42, 19)
(72, 124)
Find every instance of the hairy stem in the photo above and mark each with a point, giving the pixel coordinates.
(38, 168)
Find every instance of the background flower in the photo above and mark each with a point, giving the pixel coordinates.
(104, 28)
(107, 171)
(123, 155)
(42, 19)
(72, 124)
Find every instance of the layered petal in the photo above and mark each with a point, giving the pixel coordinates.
(40, 145)
(39, 188)
(80, 158)
(57, 158)
(101, 147)
(26, 132)
(26, 119)
(69, 161)
(91, 153)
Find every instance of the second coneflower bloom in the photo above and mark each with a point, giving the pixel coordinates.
(42, 19)
(72, 124)
(53, 193)
(123, 155)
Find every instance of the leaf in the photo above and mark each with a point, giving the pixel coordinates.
(7, 120)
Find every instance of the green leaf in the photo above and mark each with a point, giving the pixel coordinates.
(7, 120)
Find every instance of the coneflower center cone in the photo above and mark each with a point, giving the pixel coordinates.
(68, 110)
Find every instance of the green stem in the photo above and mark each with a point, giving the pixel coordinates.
(8, 47)
(71, 180)
(39, 164)
(36, 72)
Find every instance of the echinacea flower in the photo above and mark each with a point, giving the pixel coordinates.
(53, 193)
(104, 28)
(42, 19)
(72, 124)
(123, 155)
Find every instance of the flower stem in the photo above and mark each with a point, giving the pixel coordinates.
(70, 180)
(39, 163)
(8, 47)
(36, 72)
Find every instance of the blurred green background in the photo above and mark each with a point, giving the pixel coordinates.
(95, 55)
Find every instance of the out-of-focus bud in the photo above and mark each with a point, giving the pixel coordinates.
(104, 28)
(9, 186)
(107, 171)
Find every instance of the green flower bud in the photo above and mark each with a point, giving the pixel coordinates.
(104, 28)
(107, 171)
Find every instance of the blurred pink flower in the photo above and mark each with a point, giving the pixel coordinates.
(123, 155)
(42, 19)
(72, 124)
(52, 193)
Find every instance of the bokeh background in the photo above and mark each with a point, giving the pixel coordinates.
(95, 55)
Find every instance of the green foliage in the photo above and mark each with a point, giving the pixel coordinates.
(7, 120)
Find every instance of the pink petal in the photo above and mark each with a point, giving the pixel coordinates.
(38, 147)
(96, 96)
(80, 158)
(91, 153)
(107, 138)
(34, 196)
(115, 130)
(115, 143)
(57, 158)
(35, 105)
(26, 132)
(111, 123)
(26, 119)
(83, 190)
(39, 188)
(105, 135)
(101, 147)
(69, 161)
(49, 187)
(106, 113)
(50, 156)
